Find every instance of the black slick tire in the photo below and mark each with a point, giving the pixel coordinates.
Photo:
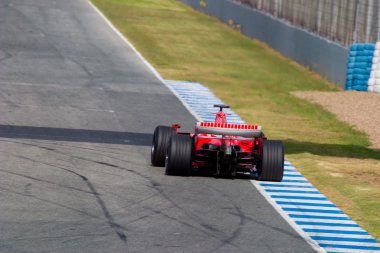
(271, 165)
(160, 144)
(179, 156)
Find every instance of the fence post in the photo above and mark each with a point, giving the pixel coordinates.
(369, 20)
(378, 20)
(355, 36)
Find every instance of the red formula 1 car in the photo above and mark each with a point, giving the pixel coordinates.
(219, 147)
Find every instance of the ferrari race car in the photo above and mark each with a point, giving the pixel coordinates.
(220, 148)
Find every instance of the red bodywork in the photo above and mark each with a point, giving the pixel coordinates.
(225, 153)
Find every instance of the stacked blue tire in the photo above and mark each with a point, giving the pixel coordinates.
(359, 63)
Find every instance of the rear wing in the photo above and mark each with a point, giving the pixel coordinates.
(243, 130)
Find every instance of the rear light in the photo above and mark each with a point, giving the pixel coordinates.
(208, 146)
(237, 148)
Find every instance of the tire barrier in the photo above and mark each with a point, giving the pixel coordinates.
(374, 80)
(359, 64)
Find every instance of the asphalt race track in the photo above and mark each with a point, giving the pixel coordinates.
(77, 112)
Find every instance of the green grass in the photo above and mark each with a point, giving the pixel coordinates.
(257, 82)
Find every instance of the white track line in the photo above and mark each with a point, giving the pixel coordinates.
(150, 67)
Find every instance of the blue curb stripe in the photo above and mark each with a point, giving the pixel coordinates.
(287, 185)
(327, 231)
(307, 210)
(291, 175)
(304, 204)
(329, 224)
(325, 245)
(294, 181)
(317, 217)
(343, 239)
(295, 191)
(295, 196)
(338, 251)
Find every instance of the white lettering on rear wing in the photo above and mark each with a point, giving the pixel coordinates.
(243, 130)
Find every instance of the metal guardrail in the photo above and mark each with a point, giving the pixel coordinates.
(343, 21)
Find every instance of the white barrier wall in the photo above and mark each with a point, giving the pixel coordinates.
(374, 80)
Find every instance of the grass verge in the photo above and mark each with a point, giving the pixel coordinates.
(183, 44)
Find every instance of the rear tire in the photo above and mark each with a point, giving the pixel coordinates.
(160, 144)
(179, 154)
(271, 166)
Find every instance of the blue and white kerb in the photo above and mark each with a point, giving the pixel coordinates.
(321, 223)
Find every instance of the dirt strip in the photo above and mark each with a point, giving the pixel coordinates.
(361, 109)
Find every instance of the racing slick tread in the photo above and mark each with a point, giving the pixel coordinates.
(271, 167)
(160, 144)
(179, 155)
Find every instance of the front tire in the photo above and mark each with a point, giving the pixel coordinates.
(160, 144)
(178, 157)
(271, 166)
